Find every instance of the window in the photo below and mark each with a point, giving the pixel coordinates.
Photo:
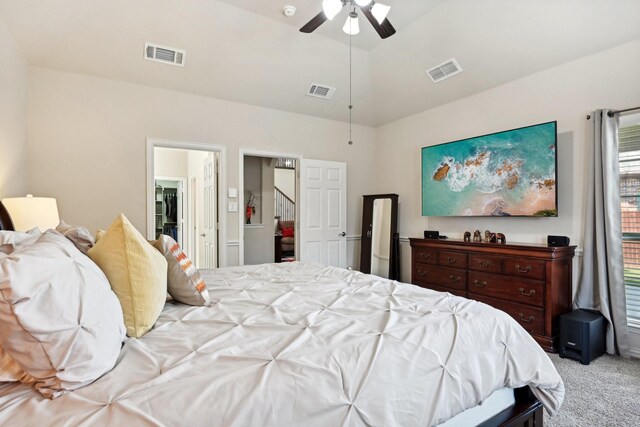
(629, 137)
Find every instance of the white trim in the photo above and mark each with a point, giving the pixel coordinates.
(242, 152)
(254, 226)
(222, 201)
(353, 238)
(232, 243)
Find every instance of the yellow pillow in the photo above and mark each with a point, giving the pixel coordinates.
(137, 273)
(99, 235)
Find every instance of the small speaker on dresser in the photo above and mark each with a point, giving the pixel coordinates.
(429, 234)
(557, 241)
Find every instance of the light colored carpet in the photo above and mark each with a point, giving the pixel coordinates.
(603, 393)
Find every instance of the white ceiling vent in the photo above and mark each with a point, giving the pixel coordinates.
(445, 70)
(321, 91)
(166, 55)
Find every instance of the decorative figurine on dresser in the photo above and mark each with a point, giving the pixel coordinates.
(530, 282)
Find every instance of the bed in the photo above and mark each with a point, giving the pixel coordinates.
(293, 344)
(303, 344)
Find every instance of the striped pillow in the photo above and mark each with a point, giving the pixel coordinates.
(184, 282)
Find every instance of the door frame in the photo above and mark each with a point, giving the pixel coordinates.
(222, 185)
(242, 152)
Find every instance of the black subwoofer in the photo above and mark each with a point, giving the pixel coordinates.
(582, 335)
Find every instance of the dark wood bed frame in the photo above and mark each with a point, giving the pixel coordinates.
(5, 219)
(526, 412)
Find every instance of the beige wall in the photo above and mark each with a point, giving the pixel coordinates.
(87, 144)
(566, 93)
(170, 163)
(13, 118)
(285, 180)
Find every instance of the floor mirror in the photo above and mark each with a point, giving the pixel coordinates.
(379, 252)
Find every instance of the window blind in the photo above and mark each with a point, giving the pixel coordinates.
(629, 147)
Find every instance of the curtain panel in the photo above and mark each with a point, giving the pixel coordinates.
(601, 285)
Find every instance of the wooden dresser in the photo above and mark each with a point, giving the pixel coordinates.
(530, 282)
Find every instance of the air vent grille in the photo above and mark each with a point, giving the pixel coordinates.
(166, 55)
(445, 70)
(321, 91)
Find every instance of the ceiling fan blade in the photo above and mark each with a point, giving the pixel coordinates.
(385, 29)
(315, 22)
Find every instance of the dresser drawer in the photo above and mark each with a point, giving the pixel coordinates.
(529, 317)
(449, 278)
(514, 289)
(452, 259)
(424, 255)
(487, 263)
(523, 267)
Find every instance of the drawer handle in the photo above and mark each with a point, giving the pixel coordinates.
(422, 273)
(480, 284)
(454, 278)
(451, 260)
(425, 256)
(529, 320)
(523, 270)
(527, 294)
(484, 264)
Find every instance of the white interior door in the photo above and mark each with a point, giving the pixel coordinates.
(323, 212)
(208, 236)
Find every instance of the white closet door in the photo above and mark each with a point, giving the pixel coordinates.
(209, 229)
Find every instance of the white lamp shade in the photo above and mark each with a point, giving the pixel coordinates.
(380, 12)
(362, 3)
(30, 212)
(352, 26)
(331, 8)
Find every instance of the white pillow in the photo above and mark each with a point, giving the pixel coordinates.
(60, 320)
(79, 236)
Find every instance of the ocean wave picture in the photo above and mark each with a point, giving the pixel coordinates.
(511, 173)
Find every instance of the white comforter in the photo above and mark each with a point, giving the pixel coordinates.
(299, 344)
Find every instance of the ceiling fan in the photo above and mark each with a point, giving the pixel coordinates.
(376, 13)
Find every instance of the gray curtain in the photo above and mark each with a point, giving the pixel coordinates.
(601, 285)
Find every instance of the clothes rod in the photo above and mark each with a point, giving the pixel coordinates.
(613, 113)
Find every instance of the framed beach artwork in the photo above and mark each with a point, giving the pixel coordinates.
(509, 173)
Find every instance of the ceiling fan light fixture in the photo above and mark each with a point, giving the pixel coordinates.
(352, 26)
(380, 12)
(331, 8)
(363, 3)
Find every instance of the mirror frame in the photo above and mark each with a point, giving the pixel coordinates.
(365, 237)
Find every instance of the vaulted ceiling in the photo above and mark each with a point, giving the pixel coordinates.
(248, 51)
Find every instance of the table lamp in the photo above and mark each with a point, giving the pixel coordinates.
(30, 212)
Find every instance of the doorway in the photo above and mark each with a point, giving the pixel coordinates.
(185, 182)
(268, 190)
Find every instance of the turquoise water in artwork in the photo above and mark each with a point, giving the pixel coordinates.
(510, 173)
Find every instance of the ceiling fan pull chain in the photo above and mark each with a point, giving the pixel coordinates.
(350, 91)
